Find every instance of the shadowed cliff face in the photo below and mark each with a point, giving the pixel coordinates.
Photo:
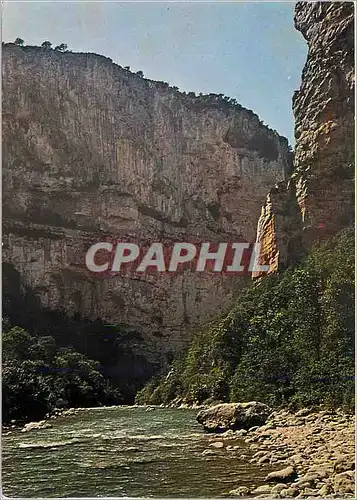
(91, 152)
(318, 200)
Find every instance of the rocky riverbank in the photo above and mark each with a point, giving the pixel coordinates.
(39, 424)
(312, 454)
(306, 454)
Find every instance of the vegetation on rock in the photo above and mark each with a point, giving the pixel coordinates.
(289, 339)
(46, 44)
(62, 47)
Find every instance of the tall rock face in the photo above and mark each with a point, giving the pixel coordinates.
(318, 200)
(91, 152)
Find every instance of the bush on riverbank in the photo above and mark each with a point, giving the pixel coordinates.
(37, 377)
(289, 339)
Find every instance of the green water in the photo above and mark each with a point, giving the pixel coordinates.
(124, 451)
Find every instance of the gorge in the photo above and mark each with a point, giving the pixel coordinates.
(91, 150)
(177, 384)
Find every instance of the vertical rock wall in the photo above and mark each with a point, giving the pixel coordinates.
(318, 200)
(91, 152)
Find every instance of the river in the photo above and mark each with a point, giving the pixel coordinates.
(123, 451)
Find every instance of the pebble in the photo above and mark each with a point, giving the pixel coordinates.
(317, 446)
(278, 488)
(265, 459)
(291, 492)
(242, 491)
(207, 452)
(266, 489)
(283, 475)
(217, 444)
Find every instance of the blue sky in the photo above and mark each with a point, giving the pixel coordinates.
(246, 50)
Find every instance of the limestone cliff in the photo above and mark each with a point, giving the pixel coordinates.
(90, 151)
(318, 200)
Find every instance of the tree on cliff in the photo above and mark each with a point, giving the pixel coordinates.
(19, 41)
(62, 47)
(140, 73)
(46, 44)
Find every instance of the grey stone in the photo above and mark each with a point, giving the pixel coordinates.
(283, 475)
(226, 416)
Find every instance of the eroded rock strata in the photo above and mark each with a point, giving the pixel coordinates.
(318, 200)
(94, 152)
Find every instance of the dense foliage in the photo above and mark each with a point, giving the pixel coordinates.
(38, 377)
(289, 339)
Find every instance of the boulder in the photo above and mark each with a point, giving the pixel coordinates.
(290, 492)
(278, 488)
(302, 484)
(344, 483)
(297, 459)
(207, 452)
(69, 412)
(242, 491)
(235, 416)
(264, 459)
(304, 412)
(344, 463)
(217, 444)
(308, 480)
(266, 489)
(325, 490)
(229, 433)
(259, 454)
(281, 476)
(241, 432)
(36, 426)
